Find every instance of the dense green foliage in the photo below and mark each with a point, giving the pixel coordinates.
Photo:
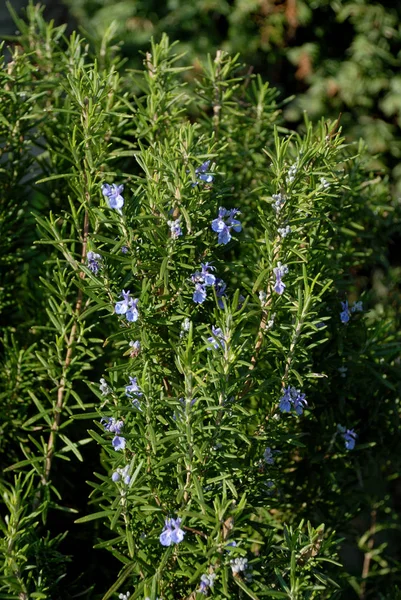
(313, 518)
(335, 56)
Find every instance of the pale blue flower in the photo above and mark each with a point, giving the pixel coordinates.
(357, 307)
(208, 278)
(220, 286)
(201, 279)
(349, 436)
(119, 442)
(113, 193)
(133, 388)
(206, 582)
(128, 307)
(111, 424)
(202, 174)
(224, 223)
(94, 262)
(175, 228)
(279, 272)
(345, 314)
(268, 456)
(292, 398)
(217, 339)
(122, 473)
(199, 295)
(172, 533)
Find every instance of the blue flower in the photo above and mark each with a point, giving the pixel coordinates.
(217, 339)
(119, 442)
(175, 228)
(279, 272)
(127, 307)
(357, 307)
(220, 286)
(268, 456)
(223, 227)
(349, 437)
(94, 262)
(285, 403)
(207, 581)
(209, 278)
(172, 533)
(199, 294)
(133, 388)
(201, 279)
(202, 174)
(124, 249)
(345, 314)
(111, 424)
(113, 193)
(292, 398)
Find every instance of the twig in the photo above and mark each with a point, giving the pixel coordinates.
(368, 555)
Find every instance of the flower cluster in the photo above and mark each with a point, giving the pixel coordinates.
(217, 339)
(292, 398)
(124, 596)
(240, 565)
(284, 231)
(349, 436)
(185, 326)
(224, 223)
(206, 583)
(111, 424)
(292, 173)
(113, 193)
(202, 279)
(94, 262)
(202, 174)
(172, 533)
(122, 473)
(279, 201)
(127, 307)
(279, 272)
(175, 228)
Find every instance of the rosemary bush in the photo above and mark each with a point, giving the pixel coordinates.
(184, 331)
